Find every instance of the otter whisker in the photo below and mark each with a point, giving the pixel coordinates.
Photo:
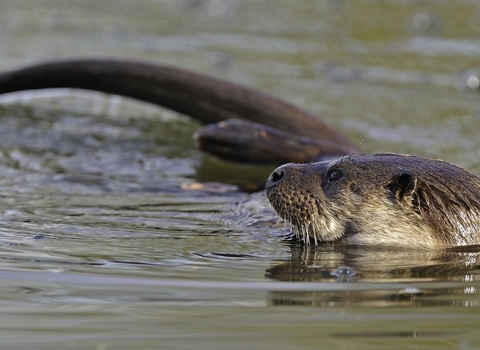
(314, 236)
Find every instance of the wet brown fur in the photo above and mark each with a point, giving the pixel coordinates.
(381, 199)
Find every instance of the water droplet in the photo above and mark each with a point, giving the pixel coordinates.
(343, 271)
(473, 82)
(421, 22)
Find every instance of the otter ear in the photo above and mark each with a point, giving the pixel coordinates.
(403, 186)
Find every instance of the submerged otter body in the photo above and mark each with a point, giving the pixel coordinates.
(380, 199)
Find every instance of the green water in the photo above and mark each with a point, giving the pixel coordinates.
(105, 245)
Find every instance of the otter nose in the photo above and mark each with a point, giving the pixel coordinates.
(278, 174)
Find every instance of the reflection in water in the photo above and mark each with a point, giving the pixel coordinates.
(321, 264)
(343, 273)
(407, 334)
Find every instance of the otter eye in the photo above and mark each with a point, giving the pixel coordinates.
(334, 175)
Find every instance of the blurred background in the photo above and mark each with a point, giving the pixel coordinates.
(392, 75)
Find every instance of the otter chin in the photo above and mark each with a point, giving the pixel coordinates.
(380, 199)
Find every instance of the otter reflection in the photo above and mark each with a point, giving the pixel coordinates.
(413, 271)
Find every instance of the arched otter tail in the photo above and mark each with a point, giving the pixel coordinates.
(204, 98)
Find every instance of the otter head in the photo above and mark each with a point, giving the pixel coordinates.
(378, 199)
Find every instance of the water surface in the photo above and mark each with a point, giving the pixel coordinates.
(106, 242)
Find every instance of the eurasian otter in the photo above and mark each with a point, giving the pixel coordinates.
(380, 199)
